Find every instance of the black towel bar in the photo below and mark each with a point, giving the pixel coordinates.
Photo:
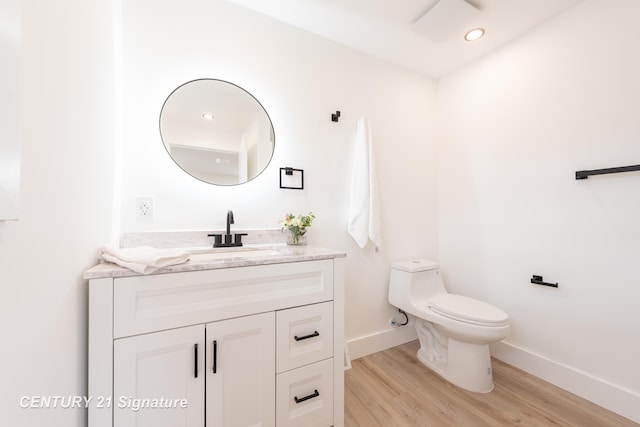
(585, 174)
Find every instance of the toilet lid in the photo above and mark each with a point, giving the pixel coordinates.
(468, 310)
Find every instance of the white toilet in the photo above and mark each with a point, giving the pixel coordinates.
(454, 331)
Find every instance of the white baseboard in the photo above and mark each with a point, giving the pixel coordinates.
(614, 398)
(382, 340)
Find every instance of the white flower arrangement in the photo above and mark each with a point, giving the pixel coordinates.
(296, 226)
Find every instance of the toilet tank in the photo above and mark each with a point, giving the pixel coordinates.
(413, 282)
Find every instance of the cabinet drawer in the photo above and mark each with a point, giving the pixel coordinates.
(164, 301)
(304, 396)
(304, 335)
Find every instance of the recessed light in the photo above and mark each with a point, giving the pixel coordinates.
(473, 35)
(207, 116)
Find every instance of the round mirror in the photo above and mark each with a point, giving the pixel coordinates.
(217, 132)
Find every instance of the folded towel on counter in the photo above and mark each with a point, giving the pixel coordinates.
(144, 259)
(364, 206)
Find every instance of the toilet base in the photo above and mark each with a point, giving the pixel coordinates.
(465, 365)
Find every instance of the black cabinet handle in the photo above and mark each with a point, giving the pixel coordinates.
(314, 334)
(195, 360)
(215, 356)
(311, 396)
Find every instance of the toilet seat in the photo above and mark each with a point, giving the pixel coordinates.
(468, 310)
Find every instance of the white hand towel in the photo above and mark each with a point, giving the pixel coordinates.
(144, 259)
(364, 207)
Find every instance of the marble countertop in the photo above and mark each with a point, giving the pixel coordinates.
(210, 259)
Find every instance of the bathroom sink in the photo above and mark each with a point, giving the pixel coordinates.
(231, 253)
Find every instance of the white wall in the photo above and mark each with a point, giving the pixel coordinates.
(300, 79)
(65, 213)
(515, 126)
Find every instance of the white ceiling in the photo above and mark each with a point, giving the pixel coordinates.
(384, 28)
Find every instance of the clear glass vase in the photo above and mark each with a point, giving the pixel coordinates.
(296, 239)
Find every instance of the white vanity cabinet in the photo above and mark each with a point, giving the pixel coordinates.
(252, 345)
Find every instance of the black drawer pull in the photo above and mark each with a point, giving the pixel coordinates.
(306, 337)
(195, 361)
(215, 356)
(311, 396)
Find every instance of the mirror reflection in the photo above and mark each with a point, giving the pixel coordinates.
(217, 132)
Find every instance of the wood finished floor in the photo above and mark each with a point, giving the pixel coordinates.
(393, 389)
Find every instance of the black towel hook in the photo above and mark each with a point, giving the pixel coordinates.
(335, 116)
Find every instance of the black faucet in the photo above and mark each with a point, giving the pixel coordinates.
(229, 222)
(229, 240)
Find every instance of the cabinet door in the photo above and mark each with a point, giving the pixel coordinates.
(159, 379)
(241, 372)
